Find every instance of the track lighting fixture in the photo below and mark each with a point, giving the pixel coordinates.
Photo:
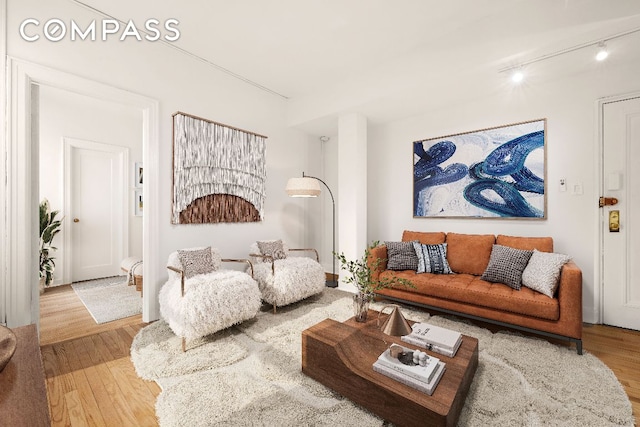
(516, 72)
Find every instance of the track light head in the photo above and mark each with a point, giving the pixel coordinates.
(602, 52)
(517, 76)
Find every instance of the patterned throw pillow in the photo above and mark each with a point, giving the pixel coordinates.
(506, 266)
(401, 256)
(272, 248)
(196, 261)
(432, 258)
(543, 271)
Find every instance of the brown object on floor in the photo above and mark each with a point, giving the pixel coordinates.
(23, 394)
(7, 346)
(341, 356)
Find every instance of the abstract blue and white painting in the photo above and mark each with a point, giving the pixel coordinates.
(490, 173)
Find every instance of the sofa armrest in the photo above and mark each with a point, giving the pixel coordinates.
(375, 253)
(570, 297)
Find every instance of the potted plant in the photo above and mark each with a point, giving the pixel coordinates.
(362, 278)
(49, 227)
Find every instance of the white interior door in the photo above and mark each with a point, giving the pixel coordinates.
(96, 209)
(621, 178)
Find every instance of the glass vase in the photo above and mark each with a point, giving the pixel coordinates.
(361, 306)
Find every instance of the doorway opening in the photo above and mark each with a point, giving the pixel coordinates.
(20, 248)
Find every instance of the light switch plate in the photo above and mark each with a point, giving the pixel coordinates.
(577, 189)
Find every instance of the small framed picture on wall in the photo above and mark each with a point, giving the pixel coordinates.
(137, 202)
(138, 176)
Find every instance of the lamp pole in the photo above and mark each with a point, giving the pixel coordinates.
(333, 283)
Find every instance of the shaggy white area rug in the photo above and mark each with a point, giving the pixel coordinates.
(109, 299)
(251, 375)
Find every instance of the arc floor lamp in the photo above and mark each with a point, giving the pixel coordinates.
(308, 186)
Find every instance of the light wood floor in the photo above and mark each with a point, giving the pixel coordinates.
(91, 380)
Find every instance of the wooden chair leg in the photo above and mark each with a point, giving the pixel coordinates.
(274, 309)
(184, 344)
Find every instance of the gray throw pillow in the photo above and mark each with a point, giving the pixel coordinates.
(432, 258)
(543, 271)
(196, 261)
(401, 256)
(506, 266)
(272, 248)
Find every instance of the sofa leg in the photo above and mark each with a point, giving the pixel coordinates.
(579, 347)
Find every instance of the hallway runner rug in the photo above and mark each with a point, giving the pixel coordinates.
(109, 299)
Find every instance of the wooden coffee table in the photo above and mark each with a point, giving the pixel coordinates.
(341, 355)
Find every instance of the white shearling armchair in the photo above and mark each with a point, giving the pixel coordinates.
(200, 298)
(285, 279)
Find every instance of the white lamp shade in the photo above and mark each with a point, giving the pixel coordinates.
(303, 187)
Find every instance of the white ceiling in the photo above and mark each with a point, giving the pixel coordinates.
(382, 58)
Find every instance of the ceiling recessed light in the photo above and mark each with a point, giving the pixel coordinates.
(602, 52)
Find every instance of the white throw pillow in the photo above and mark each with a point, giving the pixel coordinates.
(543, 271)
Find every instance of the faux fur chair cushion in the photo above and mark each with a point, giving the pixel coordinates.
(295, 278)
(211, 302)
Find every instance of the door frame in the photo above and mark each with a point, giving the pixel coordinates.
(4, 291)
(19, 247)
(123, 153)
(600, 226)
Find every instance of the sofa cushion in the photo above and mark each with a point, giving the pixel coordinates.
(432, 258)
(506, 266)
(543, 244)
(470, 289)
(427, 238)
(543, 271)
(401, 256)
(469, 253)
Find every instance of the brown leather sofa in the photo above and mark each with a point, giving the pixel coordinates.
(465, 294)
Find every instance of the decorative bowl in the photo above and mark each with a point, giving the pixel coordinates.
(7, 346)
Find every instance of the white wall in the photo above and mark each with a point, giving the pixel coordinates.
(69, 115)
(572, 153)
(180, 82)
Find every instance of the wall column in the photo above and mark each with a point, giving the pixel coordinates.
(352, 187)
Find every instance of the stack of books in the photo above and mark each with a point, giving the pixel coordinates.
(434, 338)
(421, 372)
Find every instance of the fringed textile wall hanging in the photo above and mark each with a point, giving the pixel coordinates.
(219, 172)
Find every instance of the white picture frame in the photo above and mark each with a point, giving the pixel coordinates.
(138, 175)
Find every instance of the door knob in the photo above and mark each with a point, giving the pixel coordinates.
(76, 220)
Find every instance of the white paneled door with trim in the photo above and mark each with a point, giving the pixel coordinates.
(96, 209)
(620, 213)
